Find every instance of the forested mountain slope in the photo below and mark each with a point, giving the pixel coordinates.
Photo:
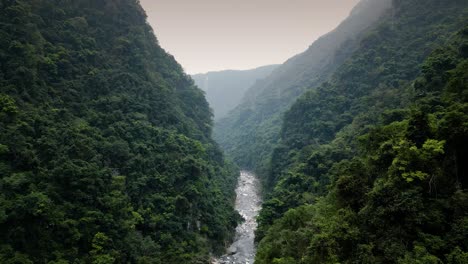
(105, 149)
(225, 89)
(250, 132)
(371, 166)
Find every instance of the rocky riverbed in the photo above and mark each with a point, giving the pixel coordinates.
(248, 204)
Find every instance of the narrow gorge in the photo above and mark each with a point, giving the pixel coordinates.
(145, 132)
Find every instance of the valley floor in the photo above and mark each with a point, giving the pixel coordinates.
(248, 204)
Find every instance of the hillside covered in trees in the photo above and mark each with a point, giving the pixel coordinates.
(107, 156)
(371, 164)
(105, 144)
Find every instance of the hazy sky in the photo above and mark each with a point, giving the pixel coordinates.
(210, 35)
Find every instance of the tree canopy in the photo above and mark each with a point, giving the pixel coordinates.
(105, 144)
(370, 168)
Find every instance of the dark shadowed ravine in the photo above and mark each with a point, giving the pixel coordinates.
(248, 204)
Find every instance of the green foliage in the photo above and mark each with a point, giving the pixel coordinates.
(7, 105)
(409, 159)
(379, 151)
(419, 256)
(105, 149)
(457, 256)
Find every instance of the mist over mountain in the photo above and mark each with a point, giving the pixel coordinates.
(248, 134)
(225, 89)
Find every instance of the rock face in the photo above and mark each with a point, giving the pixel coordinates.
(248, 204)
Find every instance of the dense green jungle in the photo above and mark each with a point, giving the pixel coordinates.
(105, 143)
(109, 152)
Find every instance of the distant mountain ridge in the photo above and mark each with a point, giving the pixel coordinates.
(225, 89)
(311, 65)
(248, 134)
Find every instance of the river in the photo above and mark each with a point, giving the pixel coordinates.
(248, 204)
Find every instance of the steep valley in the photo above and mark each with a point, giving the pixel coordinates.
(354, 151)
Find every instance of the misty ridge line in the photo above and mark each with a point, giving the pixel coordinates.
(210, 35)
